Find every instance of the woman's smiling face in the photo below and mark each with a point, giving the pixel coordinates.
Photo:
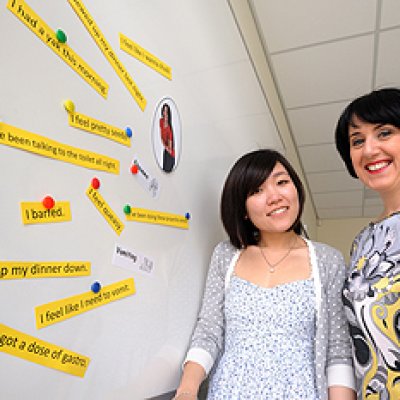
(274, 206)
(375, 155)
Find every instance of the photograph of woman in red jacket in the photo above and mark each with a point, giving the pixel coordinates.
(167, 138)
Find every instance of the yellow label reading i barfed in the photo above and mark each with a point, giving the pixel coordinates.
(36, 213)
(38, 351)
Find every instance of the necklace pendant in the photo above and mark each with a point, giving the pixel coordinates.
(272, 270)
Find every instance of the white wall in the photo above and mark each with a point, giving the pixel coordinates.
(136, 344)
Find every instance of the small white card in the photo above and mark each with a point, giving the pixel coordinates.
(132, 260)
(145, 179)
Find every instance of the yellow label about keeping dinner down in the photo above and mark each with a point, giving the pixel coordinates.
(24, 140)
(100, 128)
(157, 217)
(60, 310)
(38, 351)
(47, 35)
(36, 213)
(105, 210)
(144, 56)
(108, 52)
(47, 269)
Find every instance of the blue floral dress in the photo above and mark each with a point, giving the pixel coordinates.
(371, 297)
(269, 343)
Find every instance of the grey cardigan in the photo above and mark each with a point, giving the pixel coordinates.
(333, 365)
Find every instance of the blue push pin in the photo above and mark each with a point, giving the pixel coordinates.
(96, 287)
(187, 216)
(128, 131)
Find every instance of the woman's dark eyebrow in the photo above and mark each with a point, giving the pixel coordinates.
(279, 173)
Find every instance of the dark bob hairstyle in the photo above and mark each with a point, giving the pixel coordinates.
(378, 107)
(246, 176)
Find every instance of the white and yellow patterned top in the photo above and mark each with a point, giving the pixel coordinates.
(371, 297)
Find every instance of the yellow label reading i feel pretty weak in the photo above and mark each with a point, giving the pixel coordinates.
(100, 128)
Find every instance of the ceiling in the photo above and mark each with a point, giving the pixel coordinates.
(322, 54)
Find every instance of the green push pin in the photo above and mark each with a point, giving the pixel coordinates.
(127, 209)
(61, 36)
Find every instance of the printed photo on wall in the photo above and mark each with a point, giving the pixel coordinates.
(166, 134)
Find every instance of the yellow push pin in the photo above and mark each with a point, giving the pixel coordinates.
(69, 106)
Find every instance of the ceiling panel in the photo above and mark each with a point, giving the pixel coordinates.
(314, 21)
(325, 73)
(320, 158)
(338, 199)
(328, 182)
(388, 60)
(315, 124)
(390, 15)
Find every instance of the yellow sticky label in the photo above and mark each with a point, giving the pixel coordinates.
(105, 210)
(24, 140)
(144, 56)
(60, 310)
(38, 351)
(108, 52)
(157, 217)
(39, 269)
(36, 213)
(47, 35)
(92, 125)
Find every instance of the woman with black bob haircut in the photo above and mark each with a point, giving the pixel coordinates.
(368, 140)
(246, 176)
(271, 325)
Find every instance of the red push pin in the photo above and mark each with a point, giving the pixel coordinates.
(134, 169)
(48, 202)
(95, 183)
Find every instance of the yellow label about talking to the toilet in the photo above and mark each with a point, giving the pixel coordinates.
(108, 52)
(144, 56)
(36, 213)
(24, 140)
(158, 217)
(39, 269)
(105, 210)
(60, 310)
(47, 35)
(100, 128)
(38, 351)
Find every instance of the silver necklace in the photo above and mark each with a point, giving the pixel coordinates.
(272, 266)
